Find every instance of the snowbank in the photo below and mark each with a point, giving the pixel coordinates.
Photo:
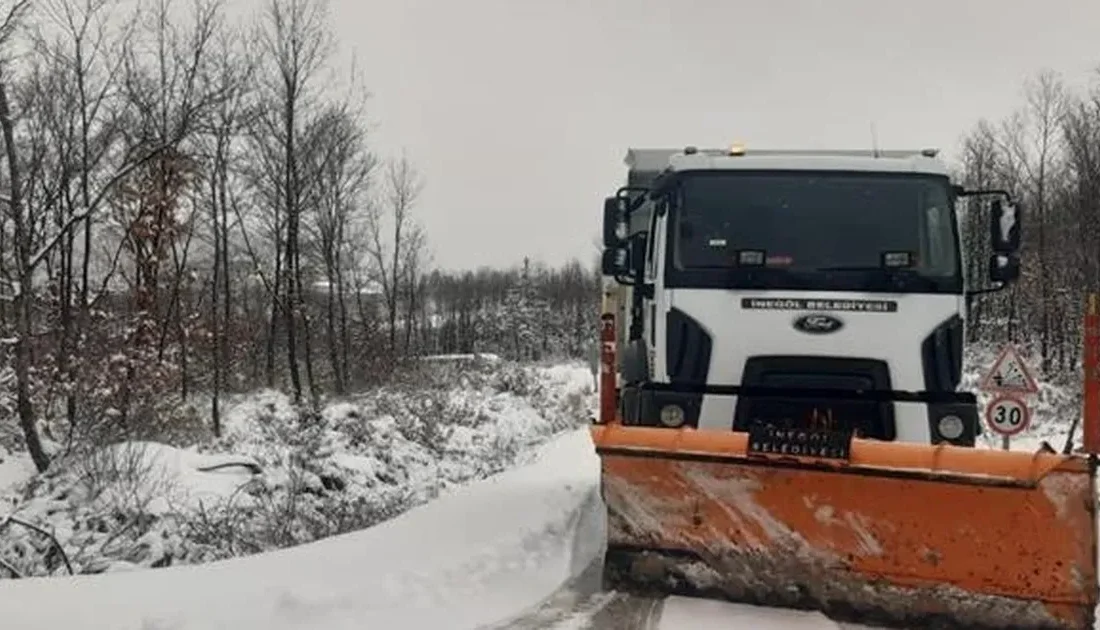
(470, 558)
(280, 477)
(469, 357)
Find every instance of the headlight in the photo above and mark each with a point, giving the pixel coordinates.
(951, 427)
(672, 416)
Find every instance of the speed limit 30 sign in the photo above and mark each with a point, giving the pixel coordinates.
(1007, 414)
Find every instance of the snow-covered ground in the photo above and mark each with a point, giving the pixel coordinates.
(15, 469)
(281, 477)
(457, 562)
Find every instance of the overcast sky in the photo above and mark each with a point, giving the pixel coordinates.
(519, 112)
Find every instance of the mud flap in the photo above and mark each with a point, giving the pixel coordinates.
(896, 534)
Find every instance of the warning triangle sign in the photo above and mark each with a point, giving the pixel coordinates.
(1009, 375)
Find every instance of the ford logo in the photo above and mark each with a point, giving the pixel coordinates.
(818, 324)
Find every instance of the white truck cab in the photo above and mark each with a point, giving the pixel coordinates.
(796, 288)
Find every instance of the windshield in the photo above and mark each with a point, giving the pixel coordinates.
(816, 230)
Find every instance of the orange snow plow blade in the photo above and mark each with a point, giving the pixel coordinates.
(903, 535)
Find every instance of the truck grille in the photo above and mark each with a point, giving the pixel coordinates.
(816, 392)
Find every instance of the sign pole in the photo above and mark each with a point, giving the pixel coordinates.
(1090, 412)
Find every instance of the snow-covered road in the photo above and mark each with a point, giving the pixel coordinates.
(614, 611)
(507, 552)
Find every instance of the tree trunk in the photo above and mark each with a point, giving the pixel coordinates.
(345, 337)
(215, 288)
(276, 306)
(330, 329)
(291, 200)
(24, 296)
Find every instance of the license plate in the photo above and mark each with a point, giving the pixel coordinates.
(772, 441)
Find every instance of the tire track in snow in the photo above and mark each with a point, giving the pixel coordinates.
(580, 605)
(580, 597)
(627, 612)
(576, 600)
(570, 610)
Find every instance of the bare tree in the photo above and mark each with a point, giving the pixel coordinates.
(1031, 142)
(403, 187)
(1081, 125)
(82, 52)
(296, 43)
(412, 289)
(230, 76)
(168, 99)
(25, 258)
(341, 168)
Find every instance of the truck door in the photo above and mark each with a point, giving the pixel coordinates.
(654, 308)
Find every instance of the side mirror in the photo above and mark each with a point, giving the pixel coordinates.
(612, 220)
(1004, 268)
(627, 260)
(1004, 226)
(614, 262)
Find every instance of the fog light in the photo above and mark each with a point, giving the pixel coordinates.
(672, 415)
(951, 427)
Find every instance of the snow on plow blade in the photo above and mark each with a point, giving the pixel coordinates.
(905, 535)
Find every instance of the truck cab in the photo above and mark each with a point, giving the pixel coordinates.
(801, 289)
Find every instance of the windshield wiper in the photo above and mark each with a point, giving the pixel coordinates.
(906, 270)
(899, 277)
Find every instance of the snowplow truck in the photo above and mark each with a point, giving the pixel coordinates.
(781, 419)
